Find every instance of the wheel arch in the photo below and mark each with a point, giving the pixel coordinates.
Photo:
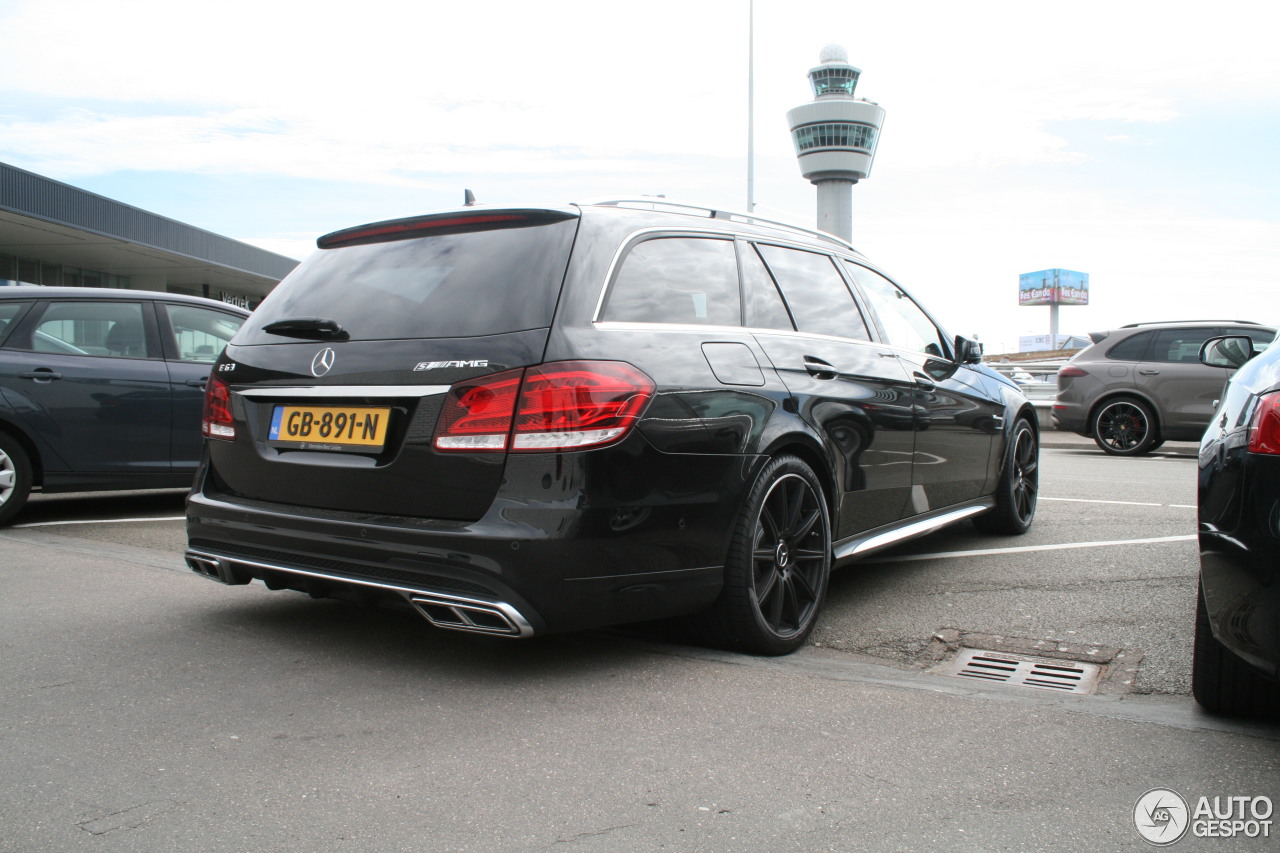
(809, 450)
(13, 431)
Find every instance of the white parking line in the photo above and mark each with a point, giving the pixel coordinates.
(1026, 549)
(96, 521)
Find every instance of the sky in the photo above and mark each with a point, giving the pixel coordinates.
(1131, 140)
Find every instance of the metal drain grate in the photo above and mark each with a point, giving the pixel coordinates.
(1065, 676)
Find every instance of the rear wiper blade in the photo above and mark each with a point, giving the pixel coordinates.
(316, 328)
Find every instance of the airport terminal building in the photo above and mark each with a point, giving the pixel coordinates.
(52, 233)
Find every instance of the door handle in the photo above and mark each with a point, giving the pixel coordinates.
(42, 374)
(923, 382)
(1148, 373)
(820, 369)
(197, 383)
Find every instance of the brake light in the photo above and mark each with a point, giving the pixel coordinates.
(1264, 427)
(477, 413)
(449, 223)
(405, 228)
(1068, 371)
(216, 421)
(567, 405)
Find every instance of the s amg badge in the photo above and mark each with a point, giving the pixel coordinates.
(440, 365)
(323, 362)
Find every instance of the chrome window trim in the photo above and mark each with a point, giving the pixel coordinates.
(635, 326)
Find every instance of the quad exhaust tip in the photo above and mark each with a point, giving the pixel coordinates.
(477, 617)
(212, 568)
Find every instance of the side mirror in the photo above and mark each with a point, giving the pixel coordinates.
(968, 351)
(1230, 352)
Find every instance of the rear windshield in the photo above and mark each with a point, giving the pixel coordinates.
(452, 285)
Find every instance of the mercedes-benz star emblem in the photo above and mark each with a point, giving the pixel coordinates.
(321, 364)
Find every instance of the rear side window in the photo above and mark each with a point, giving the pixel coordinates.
(1132, 348)
(112, 329)
(816, 293)
(690, 280)
(765, 308)
(9, 312)
(442, 286)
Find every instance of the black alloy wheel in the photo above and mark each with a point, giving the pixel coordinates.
(1019, 487)
(778, 564)
(1125, 427)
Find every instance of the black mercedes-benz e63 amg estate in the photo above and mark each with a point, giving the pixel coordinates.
(532, 420)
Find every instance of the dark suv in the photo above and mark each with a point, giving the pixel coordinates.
(102, 388)
(533, 420)
(1143, 384)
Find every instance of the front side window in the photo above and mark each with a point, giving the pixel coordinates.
(200, 334)
(686, 280)
(905, 323)
(816, 293)
(1179, 345)
(93, 328)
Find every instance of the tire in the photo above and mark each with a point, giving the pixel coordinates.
(1125, 426)
(778, 565)
(1224, 684)
(15, 477)
(1019, 485)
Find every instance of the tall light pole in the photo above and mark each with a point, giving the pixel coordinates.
(751, 106)
(835, 138)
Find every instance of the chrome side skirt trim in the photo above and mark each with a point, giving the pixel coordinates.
(863, 546)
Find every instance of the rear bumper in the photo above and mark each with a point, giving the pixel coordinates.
(1069, 418)
(1240, 558)
(524, 568)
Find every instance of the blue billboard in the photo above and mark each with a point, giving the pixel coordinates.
(1053, 287)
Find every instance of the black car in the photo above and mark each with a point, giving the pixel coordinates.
(530, 420)
(102, 389)
(1236, 667)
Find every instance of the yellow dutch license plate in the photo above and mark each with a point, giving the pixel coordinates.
(329, 427)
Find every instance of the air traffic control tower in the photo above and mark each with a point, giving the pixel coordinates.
(835, 138)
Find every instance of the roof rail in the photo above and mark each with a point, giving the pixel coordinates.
(660, 203)
(1199, 322)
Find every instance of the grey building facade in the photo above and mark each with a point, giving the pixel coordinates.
(52, 233)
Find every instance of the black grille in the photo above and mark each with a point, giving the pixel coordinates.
(360, 571)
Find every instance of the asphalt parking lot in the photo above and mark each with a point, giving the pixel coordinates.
(1110, 564)
(149, 709)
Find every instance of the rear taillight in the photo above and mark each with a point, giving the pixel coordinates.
(216, 421)
(567, 405)
(1264, 428)
(1069, 371)
(477, 413)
